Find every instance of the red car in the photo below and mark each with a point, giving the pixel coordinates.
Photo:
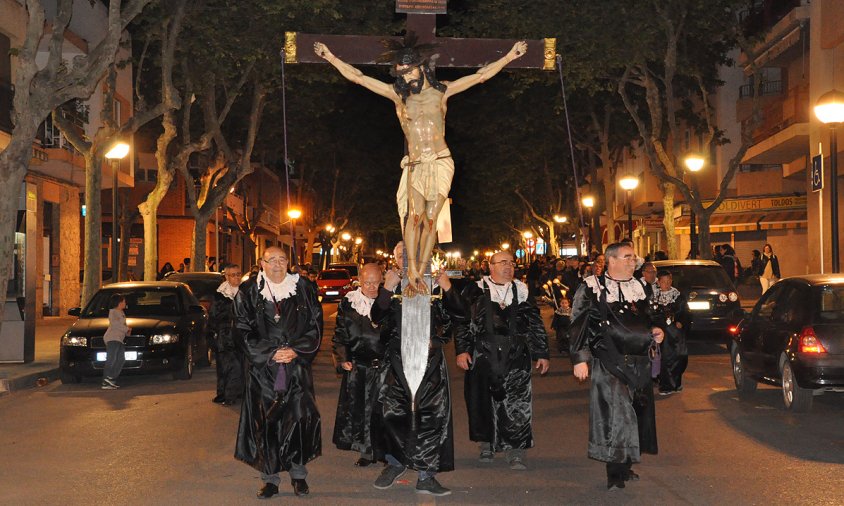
(334, 283)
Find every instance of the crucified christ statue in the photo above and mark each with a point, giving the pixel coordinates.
(420, 106)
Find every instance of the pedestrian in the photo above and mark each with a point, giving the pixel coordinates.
(279, 319)
(770, 273)
(648, 278)
(670, 305)
(660, 255)
(114, 338)
(167, 268)
(613, 330)
(186, 262)
(359, 355)
(181, 267)
(229, 362)
(730, 262)
(416, 428)
(495, 346)
(756, 263)
(599, 264)
(212, 264)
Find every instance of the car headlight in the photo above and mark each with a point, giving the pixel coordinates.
(69, 340)
(163, 339)
(722, 297)
(733, 296)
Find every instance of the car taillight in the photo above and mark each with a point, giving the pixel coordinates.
(733, 329)
(809, 342)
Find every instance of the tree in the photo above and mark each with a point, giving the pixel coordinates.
(41, 88)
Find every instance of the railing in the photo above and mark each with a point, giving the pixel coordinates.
(766, 88)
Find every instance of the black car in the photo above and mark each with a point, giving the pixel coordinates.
(167, 325)
(713, 301)
(203, 285)
(793, 338)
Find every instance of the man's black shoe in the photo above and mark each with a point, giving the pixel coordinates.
(219, 399)
(267, 491)
(431, 487)
(363, 462)
(631, 476)
(388, 476)
(614, 483)
(300, 487)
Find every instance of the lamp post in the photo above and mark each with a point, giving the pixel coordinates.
(629, 183)
(694, 163)
(830, 111)
(115, 154)
(588, 202)
(558, 218)
(294, 214)
(528, 235)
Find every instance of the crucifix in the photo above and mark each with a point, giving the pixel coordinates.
(420, 101)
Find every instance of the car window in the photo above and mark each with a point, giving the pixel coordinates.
(333, 275)
(829, 304)
(352, 269)
(687, 277)
(767, 303)
(140, 302)
(782, 311)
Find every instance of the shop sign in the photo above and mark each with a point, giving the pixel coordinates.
(750, 205)
(421, 6)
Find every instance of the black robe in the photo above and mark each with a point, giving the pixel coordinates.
(500, 404)
(673, 350)
(622, 418)
(419, 436)
(290, 432)
(357, 340)
(228, 354)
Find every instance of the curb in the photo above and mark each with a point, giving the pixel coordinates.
(31, 380)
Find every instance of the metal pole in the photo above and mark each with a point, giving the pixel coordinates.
(692, 234)
(114, 166)
(630, 214)
(833, 194)
(217, 236)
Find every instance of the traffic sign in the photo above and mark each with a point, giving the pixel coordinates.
(817, 173)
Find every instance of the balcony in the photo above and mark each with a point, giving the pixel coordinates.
(765, 89)
(783, 134)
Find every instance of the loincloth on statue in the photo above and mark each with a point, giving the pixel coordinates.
(430, 176)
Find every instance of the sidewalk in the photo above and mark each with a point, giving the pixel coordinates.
(46, 364)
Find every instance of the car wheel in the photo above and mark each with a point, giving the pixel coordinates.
(794, 397)
(745, 385)
(186, 371)
(66, 378)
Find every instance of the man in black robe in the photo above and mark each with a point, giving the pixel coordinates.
(280, 322)
(228, 356)
(416, 429)
(613, 329)
(495, 346)
(359, 355)
(648, 278)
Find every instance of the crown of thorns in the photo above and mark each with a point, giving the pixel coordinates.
(406, 53)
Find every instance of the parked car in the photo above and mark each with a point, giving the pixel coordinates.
(712, 297)
(793, 338)
(203, 285)
(349, 266)
(168, 328)
(334, 283)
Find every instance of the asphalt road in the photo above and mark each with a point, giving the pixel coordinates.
(159, 441)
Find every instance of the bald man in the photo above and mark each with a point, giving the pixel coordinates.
(280, 322)
(359, 355)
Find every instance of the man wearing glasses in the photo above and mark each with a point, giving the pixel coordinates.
(648, 278)
(613, 329)
(228, 358)
(280, 322)
(495, 345)
(359, 355)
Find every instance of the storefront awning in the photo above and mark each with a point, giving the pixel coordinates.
(744, 222)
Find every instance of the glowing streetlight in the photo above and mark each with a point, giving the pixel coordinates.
(560, 219)
(527, 234)
(694, 162)
(330, 228)
(475, 252)
(830, 111)
(588, 202)
(505, 246)
(294, 214)
(346, 236)
(358, 241)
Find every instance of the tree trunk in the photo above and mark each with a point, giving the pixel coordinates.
(200, 233)
(93, 278)
(609, 199)
(703, 237)
(149, 207)
(668, 219)
(310, 238)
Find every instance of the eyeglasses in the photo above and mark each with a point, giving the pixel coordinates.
(275, 260)
(371, 283)
(506, 263)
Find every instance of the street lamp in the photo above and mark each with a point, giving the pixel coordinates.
(115, 154)
(694, 163)
(830, 111)
(346, 236)
(504, 246)
(528, 235)
(294, 214)
(588, 202)
(629, 183)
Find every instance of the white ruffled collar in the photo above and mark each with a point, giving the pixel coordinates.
(228, 290)
(279, 291)
(631, 289)
(497, 292)
(360, 302)
(665, 298)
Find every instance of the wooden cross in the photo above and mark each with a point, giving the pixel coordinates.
(454, 52)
